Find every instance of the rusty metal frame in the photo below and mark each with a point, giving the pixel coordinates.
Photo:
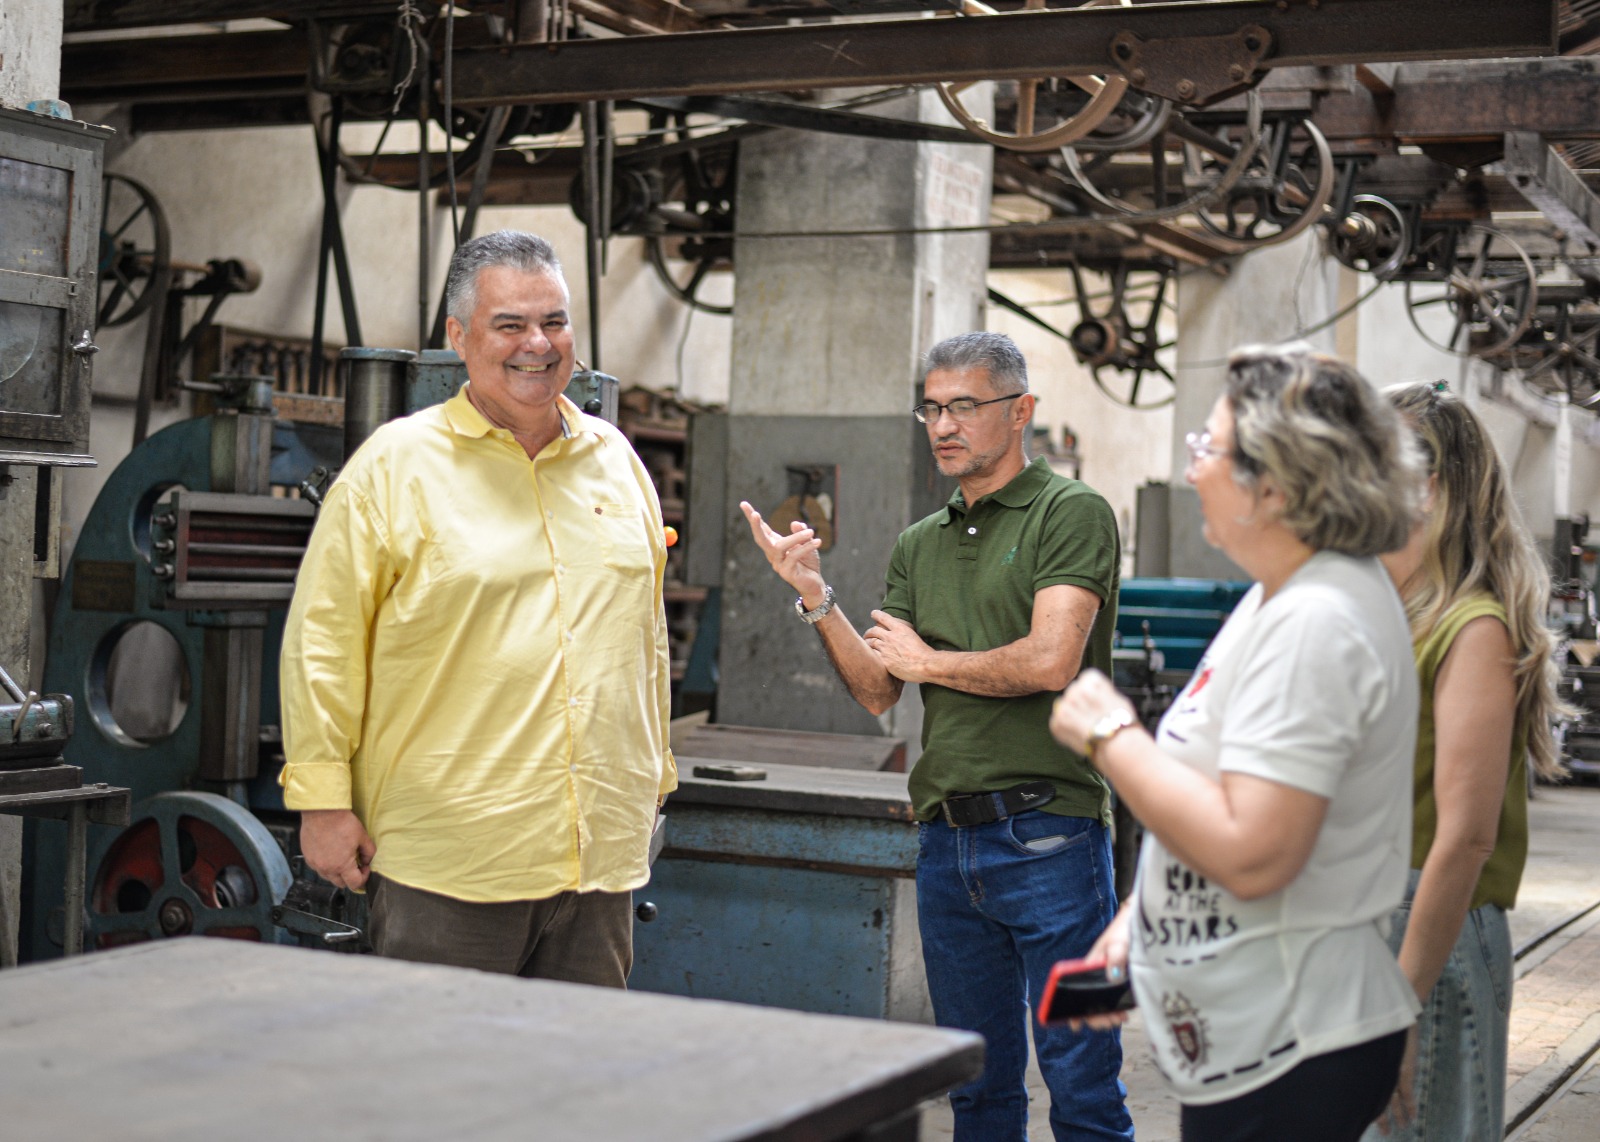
(1554, 188)
(1017, 45)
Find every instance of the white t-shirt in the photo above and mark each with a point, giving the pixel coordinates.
(1315, 689)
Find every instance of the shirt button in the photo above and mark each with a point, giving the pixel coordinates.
(572, 769)
(560, 569)
(550, 514)
(572, 701)
(972, 531)
(568, 636)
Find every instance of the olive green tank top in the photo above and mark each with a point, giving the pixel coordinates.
(1502, 874)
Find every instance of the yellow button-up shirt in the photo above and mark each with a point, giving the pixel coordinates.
(476, 660)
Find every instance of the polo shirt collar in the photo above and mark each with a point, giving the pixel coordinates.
(466, 420)
(1018, 493)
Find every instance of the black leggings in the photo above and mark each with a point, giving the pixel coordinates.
(1327, 1098)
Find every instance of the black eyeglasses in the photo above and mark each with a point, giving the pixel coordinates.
(960, 409)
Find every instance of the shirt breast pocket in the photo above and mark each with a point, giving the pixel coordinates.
(623, 542)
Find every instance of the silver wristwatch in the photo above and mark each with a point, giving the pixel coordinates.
(822, 610)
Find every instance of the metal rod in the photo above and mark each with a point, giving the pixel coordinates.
(592, 224)
(327, 152)
(423, 206)
(77, 874)
(11, 687)
(492, 127)
(607, 157)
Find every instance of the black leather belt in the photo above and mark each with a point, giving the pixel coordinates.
(983, 808)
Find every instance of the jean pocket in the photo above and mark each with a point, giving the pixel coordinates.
(1044, 834)
(1494, 948)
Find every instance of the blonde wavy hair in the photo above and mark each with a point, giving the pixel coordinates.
(1478, 544)
(1350, 474)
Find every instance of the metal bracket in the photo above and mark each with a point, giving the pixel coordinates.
(1196, 70)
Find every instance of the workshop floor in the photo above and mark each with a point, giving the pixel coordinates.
(1553, 1084)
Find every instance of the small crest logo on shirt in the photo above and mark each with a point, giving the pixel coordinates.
(1188, 1028)
(1199, 683)
(1010, 556)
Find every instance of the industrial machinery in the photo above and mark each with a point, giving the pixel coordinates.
(166, 639)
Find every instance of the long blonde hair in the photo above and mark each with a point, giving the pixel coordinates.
(1478, 544)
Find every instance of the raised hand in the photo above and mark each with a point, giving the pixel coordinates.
(794, 556)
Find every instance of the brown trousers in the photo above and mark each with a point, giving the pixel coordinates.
(579, 937)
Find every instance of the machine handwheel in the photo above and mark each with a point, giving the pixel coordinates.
(1036, 127)
(135, 251)
(188, 864)
(1491, 295)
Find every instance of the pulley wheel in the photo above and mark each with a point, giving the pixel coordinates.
(188, 864)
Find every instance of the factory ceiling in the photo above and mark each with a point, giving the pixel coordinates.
(1127, 136)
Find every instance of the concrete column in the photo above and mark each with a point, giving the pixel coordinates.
(30, 51)
(827, 336)
(30, 68)
(1268, 296)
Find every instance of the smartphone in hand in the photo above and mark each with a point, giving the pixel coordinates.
(1077, 988)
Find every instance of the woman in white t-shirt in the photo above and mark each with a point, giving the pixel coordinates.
(1276, 793)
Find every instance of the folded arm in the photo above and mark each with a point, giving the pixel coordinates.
(1046, 658)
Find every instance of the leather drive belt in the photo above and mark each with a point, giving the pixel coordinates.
(984, 808)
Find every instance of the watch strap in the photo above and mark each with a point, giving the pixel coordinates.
(821, 610)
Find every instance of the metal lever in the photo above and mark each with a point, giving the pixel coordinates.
(83, 346)
(310, 924)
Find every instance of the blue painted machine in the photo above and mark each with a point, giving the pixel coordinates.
(1180, 616)
(791, 890)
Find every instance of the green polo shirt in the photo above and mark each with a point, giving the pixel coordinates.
(965, 578)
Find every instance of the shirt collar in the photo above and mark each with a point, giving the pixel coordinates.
(466, 420)
(1019, 492)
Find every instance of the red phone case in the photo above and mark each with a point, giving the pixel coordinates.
(1079, 987)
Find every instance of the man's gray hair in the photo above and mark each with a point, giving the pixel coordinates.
(994, 353)
(515, 248)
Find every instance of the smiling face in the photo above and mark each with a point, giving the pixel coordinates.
(984, 442)
(517, 346)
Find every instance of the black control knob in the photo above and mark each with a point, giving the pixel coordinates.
(592, 406)
(646, 912)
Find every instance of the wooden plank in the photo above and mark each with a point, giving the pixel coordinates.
(215, 1039)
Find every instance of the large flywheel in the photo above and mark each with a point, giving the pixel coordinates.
(188, 864)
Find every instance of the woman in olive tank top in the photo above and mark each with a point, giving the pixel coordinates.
(1475, 591)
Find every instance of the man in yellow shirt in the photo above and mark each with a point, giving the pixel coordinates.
(475, 673)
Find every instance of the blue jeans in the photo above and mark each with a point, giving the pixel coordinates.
(1461, 1034)
(998, 905)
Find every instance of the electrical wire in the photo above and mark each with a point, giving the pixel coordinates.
(409, 21)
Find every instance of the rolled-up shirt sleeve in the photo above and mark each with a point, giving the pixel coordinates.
(346, 573)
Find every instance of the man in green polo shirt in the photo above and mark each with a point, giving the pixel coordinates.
(992, 606)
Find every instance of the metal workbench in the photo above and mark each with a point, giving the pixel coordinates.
(796, 890)
(220, 1039)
